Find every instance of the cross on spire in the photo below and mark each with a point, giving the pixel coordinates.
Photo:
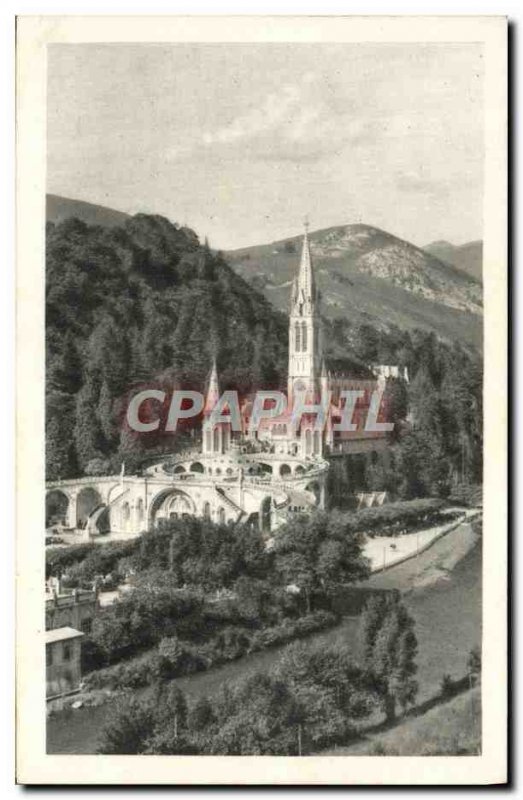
(305, 282)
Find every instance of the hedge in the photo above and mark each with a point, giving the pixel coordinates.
(229, 645)
(91, 559)
(398, 517)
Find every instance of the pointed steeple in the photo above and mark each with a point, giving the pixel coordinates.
(213, 389)
(305, 274)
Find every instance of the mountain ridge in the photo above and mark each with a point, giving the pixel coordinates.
(467, 257)
(58, 208)
(367, 273)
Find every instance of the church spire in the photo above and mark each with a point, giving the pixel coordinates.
(213, 390)
(305, 283)
(305, 345)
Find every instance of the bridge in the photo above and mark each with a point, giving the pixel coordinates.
(257, 487)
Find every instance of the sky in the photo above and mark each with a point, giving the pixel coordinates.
(243, 141)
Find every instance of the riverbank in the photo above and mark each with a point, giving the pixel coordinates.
(384, 552)
(451, 727)
(442, 589)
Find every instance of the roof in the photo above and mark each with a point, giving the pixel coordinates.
(349, 368)
(61, 635)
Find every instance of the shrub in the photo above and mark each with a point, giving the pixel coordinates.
(399, 518)
(290, 629)
(447, 686)
(88, 559)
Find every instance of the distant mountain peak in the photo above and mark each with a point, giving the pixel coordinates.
(466, 257)
(362, 271)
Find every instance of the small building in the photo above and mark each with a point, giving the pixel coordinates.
(62, 660)
(74, 608)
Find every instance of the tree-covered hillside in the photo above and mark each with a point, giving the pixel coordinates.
(127, 306)
(146, 304)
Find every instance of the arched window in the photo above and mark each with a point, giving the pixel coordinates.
(139, 511)
(317, 443)
(207, 510)
(216, 439)
(208, 441)
(297, 342)
(221, 516)
(304, 337)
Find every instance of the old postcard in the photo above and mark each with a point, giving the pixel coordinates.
(262, 490)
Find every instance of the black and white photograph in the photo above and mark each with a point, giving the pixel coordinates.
(264, 464)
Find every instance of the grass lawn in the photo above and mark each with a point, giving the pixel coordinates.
(451, 728)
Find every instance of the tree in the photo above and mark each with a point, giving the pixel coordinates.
(60, 451)
(88, 436)
(318, 552)
(98, 466)
(390, 647)
(474, 665)
(131, 724)
(366, 343)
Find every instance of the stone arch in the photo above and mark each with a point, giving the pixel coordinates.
(285, 470)
(87, 501)
(198, 467)
(56, 507)
(299, 469)
(164, 507)
(266, 468)
(178, 469)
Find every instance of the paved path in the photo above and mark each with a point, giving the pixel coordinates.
(386, 551)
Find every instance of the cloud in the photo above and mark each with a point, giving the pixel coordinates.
(276, 111)
(416, 182)
(294, 123)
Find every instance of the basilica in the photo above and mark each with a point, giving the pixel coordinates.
(257, 476)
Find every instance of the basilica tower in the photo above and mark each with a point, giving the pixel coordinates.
(305, 345)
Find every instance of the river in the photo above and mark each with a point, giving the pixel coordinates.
(442, 589)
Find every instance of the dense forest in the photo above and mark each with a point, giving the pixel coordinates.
(148, 303)
(140, 304)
